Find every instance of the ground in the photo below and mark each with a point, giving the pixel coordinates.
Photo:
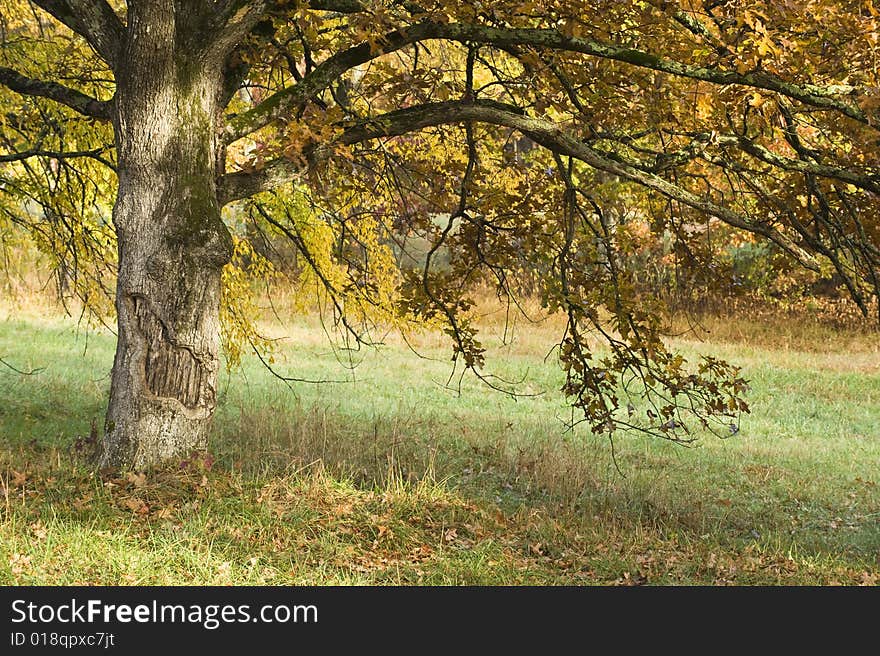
(392, 478)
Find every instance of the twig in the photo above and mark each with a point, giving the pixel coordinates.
(19, 371)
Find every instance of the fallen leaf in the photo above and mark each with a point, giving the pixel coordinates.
(82, 502)
(38, 530)
(164, 513)
(225, 569)
(422, 552)
(136, 505)
(18, 563)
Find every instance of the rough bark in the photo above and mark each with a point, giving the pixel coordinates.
(172, 246)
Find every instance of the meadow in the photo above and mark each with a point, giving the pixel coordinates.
(388, 474)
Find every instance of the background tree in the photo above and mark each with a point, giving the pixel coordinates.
(345, 125)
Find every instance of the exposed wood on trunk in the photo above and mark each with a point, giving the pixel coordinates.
(171, 370)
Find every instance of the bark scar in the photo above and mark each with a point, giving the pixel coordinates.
(171, 370)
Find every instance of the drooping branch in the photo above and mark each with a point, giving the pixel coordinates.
(94, 154)
(546, 133)
(94, 20)
(76, 100)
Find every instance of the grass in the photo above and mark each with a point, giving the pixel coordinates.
(392, 478)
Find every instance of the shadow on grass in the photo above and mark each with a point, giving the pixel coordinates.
(713, 497)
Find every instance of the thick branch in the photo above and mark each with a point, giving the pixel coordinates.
(810, 94)
(550, 135)
(244, 184)
(867, 182)
(337, 6)
(76, 100)
(231, 22)
(94, 20)
(281, 102)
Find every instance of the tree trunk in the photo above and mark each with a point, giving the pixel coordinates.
(172, 248)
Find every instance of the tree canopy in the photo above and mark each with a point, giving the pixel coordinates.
(537, 145)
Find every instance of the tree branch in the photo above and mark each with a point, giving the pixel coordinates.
(232, 20)
(867, 182)
(244, 184)
(337, 6)
(546, 133)
(52, 154)
(76, 100)
(809, 94)
(282, 101)
(94, 20)
(319, 79)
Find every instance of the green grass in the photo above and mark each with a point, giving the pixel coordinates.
(393, 478)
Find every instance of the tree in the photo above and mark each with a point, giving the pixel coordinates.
(380, 117)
